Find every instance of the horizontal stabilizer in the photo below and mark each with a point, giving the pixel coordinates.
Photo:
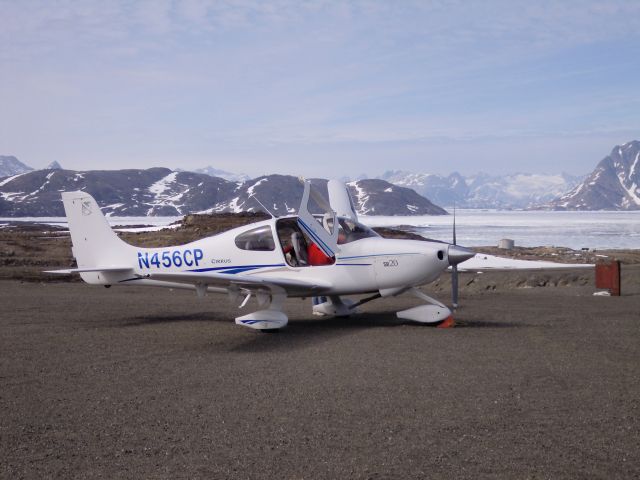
(68, 271)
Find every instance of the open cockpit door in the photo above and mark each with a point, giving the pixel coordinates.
(323, 232)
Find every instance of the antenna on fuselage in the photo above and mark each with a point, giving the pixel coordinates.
(261, 204)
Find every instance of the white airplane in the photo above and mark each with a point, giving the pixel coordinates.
(294, 256)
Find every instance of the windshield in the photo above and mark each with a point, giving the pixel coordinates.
(351, 231)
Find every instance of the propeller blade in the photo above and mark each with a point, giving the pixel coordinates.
(454, 286)
(454, 224)
(456, 255)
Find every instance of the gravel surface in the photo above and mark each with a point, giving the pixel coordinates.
(148, 383)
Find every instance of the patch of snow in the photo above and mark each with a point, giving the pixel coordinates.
(252, 187)
(632, 171)
(388, 190)
(12, 178)
(362, 199)
(162, 185)
(602, 293)
(11, 196)
(112, 207)
(234, 206)
(162, 199)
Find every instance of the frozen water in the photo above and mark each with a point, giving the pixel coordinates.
(528, 228)
(480, 227)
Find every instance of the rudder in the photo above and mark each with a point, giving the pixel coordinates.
(94, 243)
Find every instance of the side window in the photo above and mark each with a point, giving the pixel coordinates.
(259, 238)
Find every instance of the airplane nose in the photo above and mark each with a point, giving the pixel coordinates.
(457, 254)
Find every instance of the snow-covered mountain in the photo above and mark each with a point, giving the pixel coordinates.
(280, 194)
(155, 191)
(379, 197)
(53, 166)
(448, 190)
(613, 185)
(215, 172)
(10, 165)
(520, 190)
(160, 191)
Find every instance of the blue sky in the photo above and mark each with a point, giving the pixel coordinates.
(319, 88)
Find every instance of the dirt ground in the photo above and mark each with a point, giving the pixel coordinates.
(539, 380)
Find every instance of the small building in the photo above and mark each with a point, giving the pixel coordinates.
(506, 244)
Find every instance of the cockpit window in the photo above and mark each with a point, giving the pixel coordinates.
(351, 231)
(259, 238)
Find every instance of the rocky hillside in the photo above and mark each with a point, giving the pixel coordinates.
(156, 191)
(163, 192)
(613, 185)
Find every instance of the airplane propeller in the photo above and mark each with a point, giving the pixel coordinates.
(454, 268)
(456, 255)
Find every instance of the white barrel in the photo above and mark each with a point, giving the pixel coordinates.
(506, 244)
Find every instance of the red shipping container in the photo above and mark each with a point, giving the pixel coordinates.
(608, 276)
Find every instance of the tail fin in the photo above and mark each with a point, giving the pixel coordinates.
(94, 243)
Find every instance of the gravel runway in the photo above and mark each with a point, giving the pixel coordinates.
(145, 383)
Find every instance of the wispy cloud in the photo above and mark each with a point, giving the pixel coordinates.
(248, 78)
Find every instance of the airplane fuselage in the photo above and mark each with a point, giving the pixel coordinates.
(366, 265)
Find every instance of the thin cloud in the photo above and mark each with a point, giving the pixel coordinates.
(213, 77)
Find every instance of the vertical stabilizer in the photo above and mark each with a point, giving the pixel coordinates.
(94, 243)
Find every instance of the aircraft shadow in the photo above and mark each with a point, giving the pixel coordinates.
(160, 319)
(300, 333)
(303, 332)
(489, 324)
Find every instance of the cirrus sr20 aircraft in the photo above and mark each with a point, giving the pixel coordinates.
(326, 256)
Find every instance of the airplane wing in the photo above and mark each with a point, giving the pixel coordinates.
(249, 282)
(486, 262)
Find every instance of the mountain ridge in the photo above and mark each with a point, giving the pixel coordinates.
(613, 185)
(511, 191)
(164, 192)
(10, 165)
